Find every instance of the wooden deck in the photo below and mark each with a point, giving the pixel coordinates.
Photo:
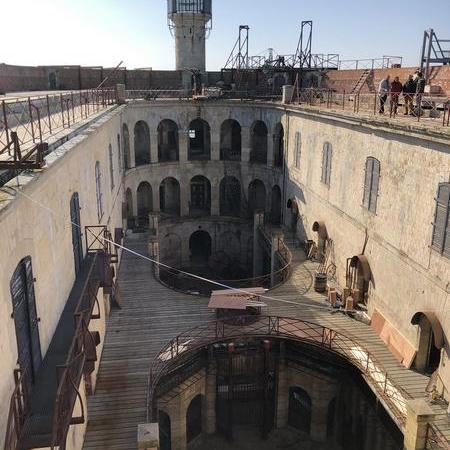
(152, 314)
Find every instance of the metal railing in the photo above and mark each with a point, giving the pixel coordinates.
(82, 351)
(385, 62)
(18, 408)
(155, 94)
(436, 440)
(279, 327)
(434, 109)
(36, 119)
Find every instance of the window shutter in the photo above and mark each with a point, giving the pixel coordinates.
(441, 230)
(324, 164)
(329, 158)
(374, 185)
(367, 182)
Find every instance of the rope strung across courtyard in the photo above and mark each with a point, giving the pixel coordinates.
(216, 283)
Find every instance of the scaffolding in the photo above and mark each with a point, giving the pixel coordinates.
(434, 51)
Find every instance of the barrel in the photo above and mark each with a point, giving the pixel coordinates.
(320, 282)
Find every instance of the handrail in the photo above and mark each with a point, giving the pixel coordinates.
(435, 439)
(18, 408)
(279, 327)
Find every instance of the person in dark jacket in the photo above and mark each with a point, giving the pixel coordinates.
(396, 90)
(420, 89)
(409, 89)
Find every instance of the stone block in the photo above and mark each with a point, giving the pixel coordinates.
(148, 436)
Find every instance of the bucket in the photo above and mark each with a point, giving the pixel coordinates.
(320, 282)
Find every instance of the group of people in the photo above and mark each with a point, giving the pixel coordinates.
(412, 89)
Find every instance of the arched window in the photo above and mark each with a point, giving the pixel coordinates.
(167, 141)
(327, 155)
(141, 144)
(298, 149)
(230, 197)
(258, 152)
(256, 196)
(230, 141)
(278, 146)
(169, 196)
(441, 226)
(199, 141)
(111, 166)
(98, 189)
(126, 147)
(300, 407)
(371, 183)
(200, 203)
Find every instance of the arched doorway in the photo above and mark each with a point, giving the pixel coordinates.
(299, 416)
(144, 202)
(165, 436)
(126, 147)
(200, 203)
(200, 245)
(25, 318)
(194, 419)
(230, 197)
(230, 141)
(169, 196)
(258, 152)
(431, 341)
(358, 276)
(77, 242)
(168, 141)
(256, 196)
(275, 206)
(278, 146)
(141, 144)
(199, 141)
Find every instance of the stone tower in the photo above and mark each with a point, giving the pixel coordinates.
(190, 22)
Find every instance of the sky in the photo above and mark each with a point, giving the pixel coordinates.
(104, 32)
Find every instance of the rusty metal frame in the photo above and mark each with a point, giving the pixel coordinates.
(279, 328)
(435, 439)
(32, 159)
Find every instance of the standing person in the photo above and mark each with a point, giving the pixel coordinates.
(396, 90)
(409, 89)
(420, 89)
(383, 92)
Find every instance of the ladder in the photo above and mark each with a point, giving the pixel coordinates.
(361, 82)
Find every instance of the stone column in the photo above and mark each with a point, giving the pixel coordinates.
(258, 219)
(155, 199)
(215, 197)
(270, 147)
(178, 427)
(319, 414)
(245, 135)
(418, 416)
(148, 436)
(209, 426)
(154, 147)
(215, 143)
(183, 143)
(282, 390)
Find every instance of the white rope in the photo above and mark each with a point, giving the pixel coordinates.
(198, 277)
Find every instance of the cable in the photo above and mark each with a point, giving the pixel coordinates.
(54, 213)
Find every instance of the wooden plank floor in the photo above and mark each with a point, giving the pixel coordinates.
(152, 315)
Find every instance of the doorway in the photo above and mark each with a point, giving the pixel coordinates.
(77, 242)
(25, 318)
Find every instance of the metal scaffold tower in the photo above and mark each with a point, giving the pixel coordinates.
(434, 51)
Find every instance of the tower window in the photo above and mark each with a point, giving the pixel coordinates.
(441, 227)
(327, 155)
(371, 184)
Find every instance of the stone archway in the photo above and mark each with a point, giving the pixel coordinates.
(230, 141)
(194, 419)
(199, 140)
(300, 409)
